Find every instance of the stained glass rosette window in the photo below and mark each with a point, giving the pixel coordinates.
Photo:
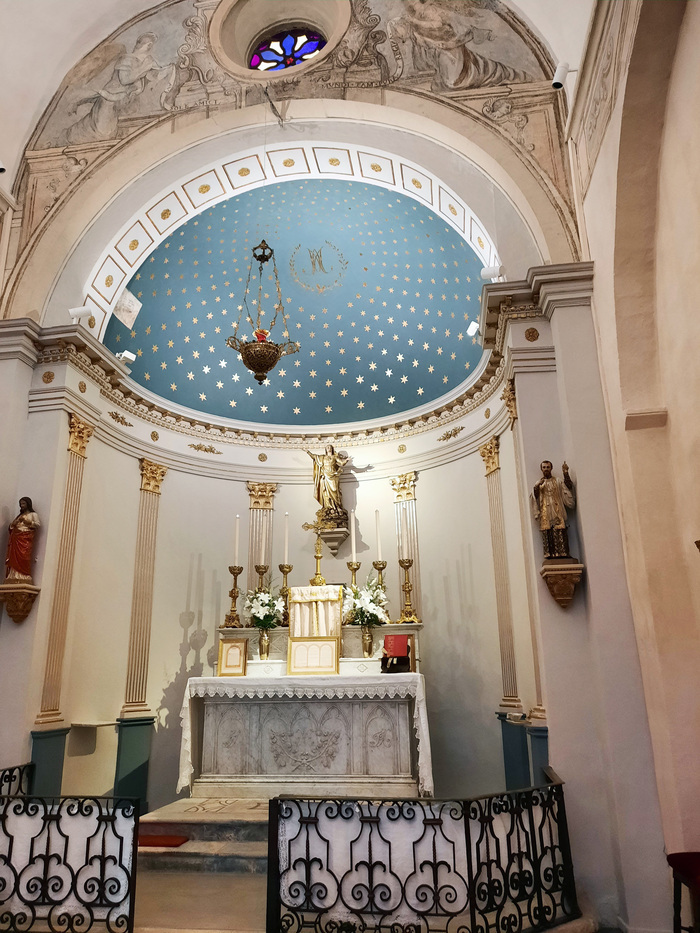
(284, 49)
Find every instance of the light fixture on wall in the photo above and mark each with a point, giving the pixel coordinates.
(472, 329)
(491, 272)
(80, 314)
(560, 73)
(126, 356)
(261, 354)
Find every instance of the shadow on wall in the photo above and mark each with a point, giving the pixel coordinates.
(199, 622)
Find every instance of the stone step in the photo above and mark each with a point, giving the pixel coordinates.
(206, 830)
(206, 856)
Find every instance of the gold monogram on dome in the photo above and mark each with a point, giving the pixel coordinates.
(377, 289)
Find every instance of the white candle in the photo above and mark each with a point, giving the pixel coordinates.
(379, 537)
(237, 540)
(352, 536)
(262, 543)
(286, 537)
(404, 537)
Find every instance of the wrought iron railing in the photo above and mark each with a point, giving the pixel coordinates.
(17, 780)
(493, 863)
(67, 863)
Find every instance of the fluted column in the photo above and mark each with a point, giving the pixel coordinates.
(508, 396)
(405, 515)
(510, 698)
(80, 434)
(152, 475)
(262, 497)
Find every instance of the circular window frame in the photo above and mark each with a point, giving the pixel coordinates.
(238, 26)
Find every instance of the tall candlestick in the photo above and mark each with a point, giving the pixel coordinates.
(237, 539)
(379, 537)
(286, 537)
(352, 536)
(404, 538)
(262, 542)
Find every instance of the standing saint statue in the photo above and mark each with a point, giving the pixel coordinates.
(552, 497)
(18, 560)
(328, 467)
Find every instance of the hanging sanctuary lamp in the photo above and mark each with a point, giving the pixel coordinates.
(262, 354)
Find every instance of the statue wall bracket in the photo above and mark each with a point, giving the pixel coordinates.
(562, 575)
(19, 599)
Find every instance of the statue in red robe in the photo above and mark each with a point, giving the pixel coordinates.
(20, 544)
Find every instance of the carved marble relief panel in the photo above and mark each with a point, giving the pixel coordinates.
(331, 738)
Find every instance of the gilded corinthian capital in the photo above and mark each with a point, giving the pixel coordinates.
(261, 494)
(508, 396)
(80, 434)
(152, 476)
(404, 486)
(489, 453)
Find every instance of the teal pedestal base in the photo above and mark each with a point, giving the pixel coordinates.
(525, 752)
(133, 753)
(48, 752)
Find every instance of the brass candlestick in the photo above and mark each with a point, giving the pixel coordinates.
(285, 570)
(232, 619)
(353, 567)
(380, 567)
(318, 579)
(407, 613)
(261, 570)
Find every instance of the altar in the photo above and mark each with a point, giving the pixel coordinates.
(341, 734)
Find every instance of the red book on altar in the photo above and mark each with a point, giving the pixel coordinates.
(396, 646)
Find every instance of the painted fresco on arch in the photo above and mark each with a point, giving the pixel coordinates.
(459, 45)
(162, 63)
(137, 73)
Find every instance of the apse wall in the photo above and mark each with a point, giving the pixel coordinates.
(460, 650)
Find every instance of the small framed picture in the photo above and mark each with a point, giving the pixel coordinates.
(313, 656)
(233, 655)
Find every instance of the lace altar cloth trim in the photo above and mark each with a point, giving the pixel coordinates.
(336, 686)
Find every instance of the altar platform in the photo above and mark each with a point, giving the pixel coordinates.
(341, 734)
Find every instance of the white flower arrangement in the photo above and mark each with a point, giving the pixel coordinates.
(264, 608)
(366, 605)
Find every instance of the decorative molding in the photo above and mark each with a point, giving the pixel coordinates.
(489, 454)
(261, 494)
(120, 419)
(152, 476)
(80, 434)
(155, 436)
(453, 432)
(82, 387)
(48, 377)
(205, 448)
(404, 486)
(602, 73)
(532, 334)
(508, 396)
(647, 418)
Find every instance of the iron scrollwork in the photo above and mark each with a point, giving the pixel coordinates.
(67, 863)
(408, 866)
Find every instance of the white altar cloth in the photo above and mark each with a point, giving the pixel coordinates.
(370, 686)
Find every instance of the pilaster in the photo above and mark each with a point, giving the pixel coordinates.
(262, 497)
(80, 433)
(510, 699)
(406, 517)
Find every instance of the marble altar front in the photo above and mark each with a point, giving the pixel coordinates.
(331, 735)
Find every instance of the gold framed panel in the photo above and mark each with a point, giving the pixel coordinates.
(233, 657)
(313, 655)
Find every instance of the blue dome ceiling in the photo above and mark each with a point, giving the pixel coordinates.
(378, 289)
